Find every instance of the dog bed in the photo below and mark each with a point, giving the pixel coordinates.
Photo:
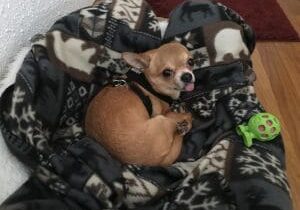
(42, 115)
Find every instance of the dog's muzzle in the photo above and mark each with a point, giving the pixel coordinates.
(186, 79)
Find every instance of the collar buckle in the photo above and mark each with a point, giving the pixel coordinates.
(117, 82)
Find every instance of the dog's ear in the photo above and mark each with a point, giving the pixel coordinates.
(136, 60)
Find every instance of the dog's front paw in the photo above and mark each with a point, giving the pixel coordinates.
(182, 127)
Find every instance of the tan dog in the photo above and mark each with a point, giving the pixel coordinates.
(118, 119)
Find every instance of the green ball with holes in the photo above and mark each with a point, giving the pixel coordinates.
(262, 127)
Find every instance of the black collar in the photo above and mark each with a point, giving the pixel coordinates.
(142, 80)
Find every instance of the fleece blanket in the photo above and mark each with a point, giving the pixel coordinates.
(42, 115)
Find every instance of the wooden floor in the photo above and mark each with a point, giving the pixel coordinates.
(277, 65)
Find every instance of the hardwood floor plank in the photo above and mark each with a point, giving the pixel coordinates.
(292, 11)
(278, 88)
(281, 75)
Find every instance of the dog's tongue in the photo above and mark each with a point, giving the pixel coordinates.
(189, 87)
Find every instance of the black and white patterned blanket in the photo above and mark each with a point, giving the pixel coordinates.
(42, 115)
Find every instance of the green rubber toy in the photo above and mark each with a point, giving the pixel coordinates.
(262, 127)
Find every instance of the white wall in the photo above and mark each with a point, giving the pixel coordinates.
(21, 19)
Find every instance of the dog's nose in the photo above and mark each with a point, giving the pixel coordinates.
(186, 77)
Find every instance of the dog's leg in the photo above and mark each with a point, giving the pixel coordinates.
(183, 121)
(164, 137)
(174, 151)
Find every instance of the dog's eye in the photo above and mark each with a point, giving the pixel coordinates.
(191, 62)
(167, 73)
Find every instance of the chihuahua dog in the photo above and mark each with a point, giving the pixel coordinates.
(118, 119)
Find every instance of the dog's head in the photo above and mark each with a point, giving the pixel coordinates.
(167, 68)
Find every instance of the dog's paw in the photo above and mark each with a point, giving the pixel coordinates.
(182, 127)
